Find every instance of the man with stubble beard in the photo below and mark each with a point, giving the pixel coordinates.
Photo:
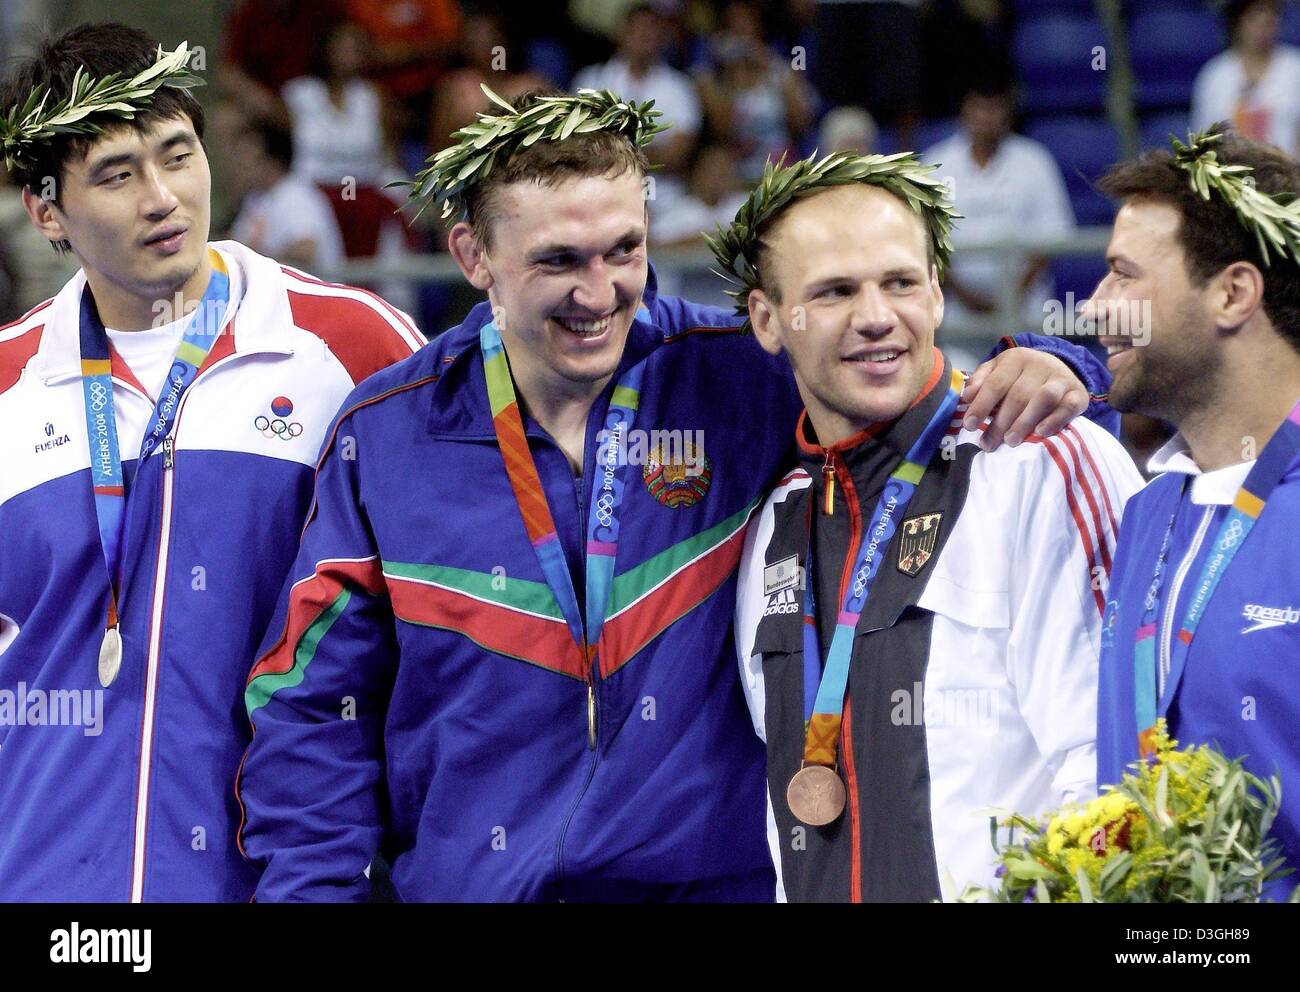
(1202, 627)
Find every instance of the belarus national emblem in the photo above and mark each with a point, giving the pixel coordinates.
(916, 542)
(676, 481)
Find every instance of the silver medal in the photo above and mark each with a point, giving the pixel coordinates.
(110, 657)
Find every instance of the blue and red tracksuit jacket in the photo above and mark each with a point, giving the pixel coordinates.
(420, 693)
(124, 793)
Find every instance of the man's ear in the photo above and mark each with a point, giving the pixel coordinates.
(44, 216)
(937, 289)
(1238, 293)
(470, 255)
(763, 318)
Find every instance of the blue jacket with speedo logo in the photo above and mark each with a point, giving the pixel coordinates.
(420, 693)
(124, 793)
(1239, 688)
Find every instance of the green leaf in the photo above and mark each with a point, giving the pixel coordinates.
(487, 91)
(1085, 890)
(1114, 872)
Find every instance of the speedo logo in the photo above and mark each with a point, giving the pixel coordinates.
(1265, 617)
(781, 603)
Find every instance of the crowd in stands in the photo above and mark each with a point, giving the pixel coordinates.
(320, 105)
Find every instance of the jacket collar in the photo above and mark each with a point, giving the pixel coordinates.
(257, 291)
(895, 436)
(1218, 488)
(459, 408)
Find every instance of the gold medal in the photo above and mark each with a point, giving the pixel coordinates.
(816, 795)
(110, 656)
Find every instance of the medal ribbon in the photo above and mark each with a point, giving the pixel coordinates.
(824, 711)
(106, 475)
(1247, 505)
(607, 489)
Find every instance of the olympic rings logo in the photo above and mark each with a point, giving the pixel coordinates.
(1231, 536)
(605, 509)
(860, 581)
(98, 396)
(284, 430)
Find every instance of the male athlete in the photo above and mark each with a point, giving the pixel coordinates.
(917, 617)
(505, 653)
(162, 416)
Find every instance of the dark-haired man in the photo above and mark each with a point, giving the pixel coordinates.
(1202, 625)
(282, 214)
(505, 654)
(162, 416)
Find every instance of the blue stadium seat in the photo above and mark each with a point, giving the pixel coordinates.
(1167, 47)
(1077, 274)
(411, 154)
(886, 140)
(549, 58)
(1291, 25)
(1053, 58)
(1156, 128)
(931, 132)
(1083, 148)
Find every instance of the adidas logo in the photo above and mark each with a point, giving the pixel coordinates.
(781, 603)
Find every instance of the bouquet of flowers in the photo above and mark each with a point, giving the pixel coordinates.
(1182, 826)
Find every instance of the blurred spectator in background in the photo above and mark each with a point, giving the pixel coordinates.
(847, 129)
(489, 56)
(343, 144)
(30, 270)
(336, 115)
(638, 72)
(413, 41)
(714, 196)
(755, 101)
(282, 216)
(868, 53)
(1004, 186)
(1255, 84)
(269, 42)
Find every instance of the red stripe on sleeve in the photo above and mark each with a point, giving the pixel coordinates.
(1084, 536)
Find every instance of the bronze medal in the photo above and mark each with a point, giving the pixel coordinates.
(816, 795)
(110, 657)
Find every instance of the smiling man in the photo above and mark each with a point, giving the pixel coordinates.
(161, 415)
(505, 654)
(1202, 627)
(917, 618)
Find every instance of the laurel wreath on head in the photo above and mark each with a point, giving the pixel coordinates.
(32, 123)
(736, 248)
(1273, 220)
(493, 138)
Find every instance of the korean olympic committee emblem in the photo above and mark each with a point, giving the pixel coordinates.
(916, 542)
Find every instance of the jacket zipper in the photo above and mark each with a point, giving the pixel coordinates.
(589, 677)
(1171, 606)
(828, 480)
(155, 644)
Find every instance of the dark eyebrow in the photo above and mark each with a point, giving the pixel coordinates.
(634, 234)
(1114, 258)
(181, 137)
